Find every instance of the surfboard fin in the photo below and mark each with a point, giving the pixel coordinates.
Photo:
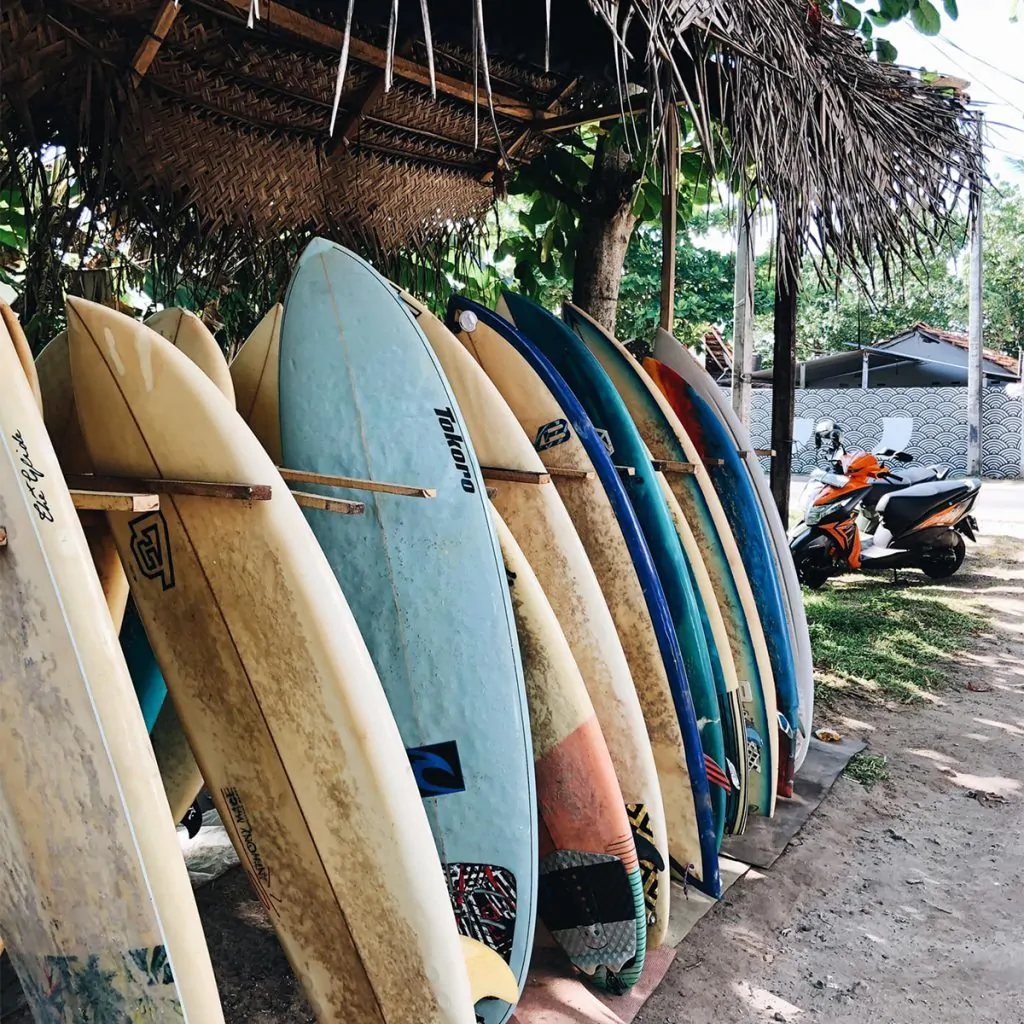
(489, 976)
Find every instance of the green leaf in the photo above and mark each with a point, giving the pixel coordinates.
(849, 15)
(926, 18)
(952, 11)
(885, 51)
(866, 28)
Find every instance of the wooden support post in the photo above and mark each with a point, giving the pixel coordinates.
(114, 501)
(301, 476)
(865, 369)
(743, 318)
(155, 37)
(669, 211)
(787, 286)
(975, 350)
(323, 504)
(194, 488)
(515, 476)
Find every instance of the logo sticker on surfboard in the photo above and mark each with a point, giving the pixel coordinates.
(437, 768)
(551, 434)
(151, 547)
(484, 900)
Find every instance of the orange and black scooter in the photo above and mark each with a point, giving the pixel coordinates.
(917, 527)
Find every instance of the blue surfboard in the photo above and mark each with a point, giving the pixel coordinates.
(362, 395)
(629, 523)
(147, 679)
(735, 490)
(642, 400)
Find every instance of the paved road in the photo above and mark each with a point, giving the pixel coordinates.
(999, 509)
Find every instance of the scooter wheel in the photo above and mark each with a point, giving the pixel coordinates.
(813, 576)
(941, 563)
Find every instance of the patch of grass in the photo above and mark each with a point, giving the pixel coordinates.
(868, 769)
(884, 642)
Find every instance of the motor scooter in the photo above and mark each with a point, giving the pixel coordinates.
(917, 526)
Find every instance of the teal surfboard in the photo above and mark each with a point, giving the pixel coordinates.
(643, 404)
(699, 702)
(147, 679)
(362, 395)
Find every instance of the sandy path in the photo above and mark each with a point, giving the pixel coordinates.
(901, 904)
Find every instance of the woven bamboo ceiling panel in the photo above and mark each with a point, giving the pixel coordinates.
(192, 107)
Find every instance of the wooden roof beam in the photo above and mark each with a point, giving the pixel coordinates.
(154, 39)
(288, 20)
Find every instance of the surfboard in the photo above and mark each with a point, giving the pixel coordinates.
(541, 525)
(274, 687)
(607, 524)
(183, 329)
(178, 768)
(362, 395)
(748, 525)
(591, 895)
(254, 374)
(98, 914)
(53, 367)
(666, 438)
(674, 355)
(664, 543)
(726, 680)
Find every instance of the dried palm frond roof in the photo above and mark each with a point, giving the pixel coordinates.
(207, 109)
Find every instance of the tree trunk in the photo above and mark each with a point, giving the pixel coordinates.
(606, 226)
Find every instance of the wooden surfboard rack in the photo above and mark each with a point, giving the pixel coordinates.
(325, 504)
(193, 488)
(515, 476)
(767, 452)
(114, 501)
(570, 474)
(668, 466)
(626, 470)
(301, 476)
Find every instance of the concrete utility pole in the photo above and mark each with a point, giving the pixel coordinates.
(669, 213)
(743, 318)
(975, 375)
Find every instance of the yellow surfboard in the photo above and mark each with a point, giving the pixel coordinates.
(95, 901)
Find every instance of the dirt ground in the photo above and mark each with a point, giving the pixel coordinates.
(903, 903)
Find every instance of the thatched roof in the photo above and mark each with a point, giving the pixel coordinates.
(191, 111)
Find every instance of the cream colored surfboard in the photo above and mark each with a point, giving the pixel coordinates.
(721, 639)
(275, 688)
(178, 768)
(735, 617)
(22, 349)
(183, 329)
(254, 372)
(97, 911)
(584, 826)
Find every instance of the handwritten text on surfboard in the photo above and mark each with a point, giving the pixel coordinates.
(32, 476)
(455, 442)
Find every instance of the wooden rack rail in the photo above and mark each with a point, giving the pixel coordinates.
(301, 476)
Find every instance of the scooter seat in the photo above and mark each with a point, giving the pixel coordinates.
(917, 475)
(901, 509)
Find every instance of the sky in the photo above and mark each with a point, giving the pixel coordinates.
(983, 46)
